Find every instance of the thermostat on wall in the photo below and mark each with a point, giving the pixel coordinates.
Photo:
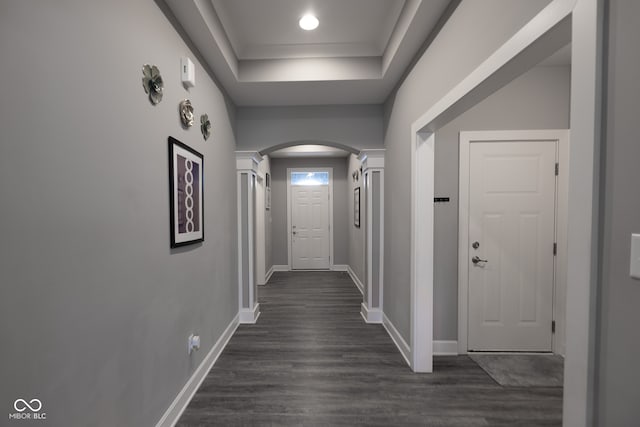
(188, 72)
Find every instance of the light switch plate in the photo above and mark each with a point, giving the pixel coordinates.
(635, 256)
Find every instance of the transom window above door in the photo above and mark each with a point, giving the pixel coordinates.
(310, 178)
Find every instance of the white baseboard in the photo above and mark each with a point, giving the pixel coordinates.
(280, 268)
(180, 403)
(355, 279)
(267, 276)
(370, 315)
(249, 315)
(402, 345)
(445, 348)
(339, 267)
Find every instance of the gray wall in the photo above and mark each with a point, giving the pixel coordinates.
(538, 99)
(96, 308)
(357, 126)
(619, 348)
(279, 252)
(454, 53)
(356, 235)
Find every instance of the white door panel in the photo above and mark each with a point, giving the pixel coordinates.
(512, 218)
(310, 227)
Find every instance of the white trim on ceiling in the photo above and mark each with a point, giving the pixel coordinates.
(309, 150)
(282, 38)
(274, 81)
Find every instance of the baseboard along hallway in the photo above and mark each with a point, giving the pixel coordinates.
(311, 360)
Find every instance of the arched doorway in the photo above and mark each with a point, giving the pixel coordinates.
(266, 229)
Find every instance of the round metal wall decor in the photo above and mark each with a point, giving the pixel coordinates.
(152, 83)
(186, 113)
(205, 126)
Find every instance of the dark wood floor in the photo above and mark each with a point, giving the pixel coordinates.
(311, 360)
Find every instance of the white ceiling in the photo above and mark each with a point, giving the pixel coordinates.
(261, 57)
(269, 30)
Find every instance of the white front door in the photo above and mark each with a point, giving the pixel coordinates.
(512, 197)
(310, 227)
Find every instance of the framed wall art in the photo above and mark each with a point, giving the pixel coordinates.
(356, 207)
(186, 171)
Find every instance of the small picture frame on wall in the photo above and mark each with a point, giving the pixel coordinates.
(186, 172)
(356, 207)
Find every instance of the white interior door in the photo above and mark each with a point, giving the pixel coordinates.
(310, 227)
(511, 245)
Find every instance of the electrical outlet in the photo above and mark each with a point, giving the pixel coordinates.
(193, 343)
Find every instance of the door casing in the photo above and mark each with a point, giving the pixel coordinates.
(518, 54)
(289, 235)
(560, 261)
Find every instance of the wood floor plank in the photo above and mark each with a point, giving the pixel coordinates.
(311, 360)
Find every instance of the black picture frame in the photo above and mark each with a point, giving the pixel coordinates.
(186, 191)
(356, 207)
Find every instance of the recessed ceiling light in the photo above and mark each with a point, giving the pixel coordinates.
(308, 22)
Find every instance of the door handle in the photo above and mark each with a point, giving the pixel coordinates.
(294, 232)
(476, 259)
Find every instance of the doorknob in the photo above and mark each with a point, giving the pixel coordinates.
(294, 232)
(476, 259)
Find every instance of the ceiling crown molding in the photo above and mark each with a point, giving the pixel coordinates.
(248, 160)
(372, 158)
(333, 73)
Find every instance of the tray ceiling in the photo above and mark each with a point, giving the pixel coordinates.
(269, 30)
(262, 57)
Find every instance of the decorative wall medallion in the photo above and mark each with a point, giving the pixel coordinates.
(205, 126)
(186, 113)
(152, 83)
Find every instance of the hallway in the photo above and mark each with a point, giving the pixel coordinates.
(311, 360)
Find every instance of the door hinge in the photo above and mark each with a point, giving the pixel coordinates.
(555, 249)
(557, 168)
(553, 326)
